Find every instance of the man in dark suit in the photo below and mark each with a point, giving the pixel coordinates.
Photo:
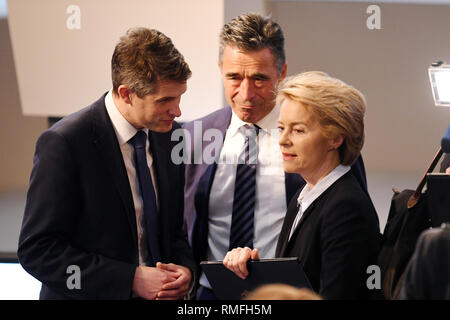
(252, 64)
(104, 211)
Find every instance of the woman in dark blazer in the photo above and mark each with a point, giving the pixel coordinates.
(330, 224)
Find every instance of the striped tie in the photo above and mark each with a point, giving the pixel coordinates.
(242, 230)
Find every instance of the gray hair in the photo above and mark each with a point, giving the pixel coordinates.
(253, 32)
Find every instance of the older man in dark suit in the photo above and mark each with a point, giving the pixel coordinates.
(105, 200)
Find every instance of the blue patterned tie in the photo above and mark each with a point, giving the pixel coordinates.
(148, 197)
(242, 229)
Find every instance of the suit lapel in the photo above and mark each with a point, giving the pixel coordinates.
(219, 120)
(287, 242)
(222, 121)
(206, 180)
(304, 217)
(111, 157)
(293, 183)
(285, 230)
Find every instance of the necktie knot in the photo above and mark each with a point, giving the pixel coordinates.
(139, 140)
(250, 130)
(249, 153)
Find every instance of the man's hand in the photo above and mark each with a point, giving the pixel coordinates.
(148, 281)
(177, 288)
(236, 260)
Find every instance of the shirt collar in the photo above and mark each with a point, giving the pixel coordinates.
(307, 196)
(235, 124)
(124, 130)
(268, 123)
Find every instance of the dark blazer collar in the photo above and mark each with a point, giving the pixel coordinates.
(222, 121)
(292, 213)
(104, 138)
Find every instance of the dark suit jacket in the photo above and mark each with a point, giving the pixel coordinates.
(80, 210)
(336, 239)
(200, 176)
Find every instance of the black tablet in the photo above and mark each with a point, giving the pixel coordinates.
(228, 286)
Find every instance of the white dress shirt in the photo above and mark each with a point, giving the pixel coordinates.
(270, 197)
(307, 195)
(124, 132)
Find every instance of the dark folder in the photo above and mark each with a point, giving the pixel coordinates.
(438, 186)
(228, 286)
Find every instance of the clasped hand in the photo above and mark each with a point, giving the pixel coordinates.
(163, 282)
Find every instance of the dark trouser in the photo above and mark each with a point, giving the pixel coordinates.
(206, 294)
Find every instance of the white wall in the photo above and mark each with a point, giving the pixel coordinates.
(60, 70)
(18, 133)
(403, 127)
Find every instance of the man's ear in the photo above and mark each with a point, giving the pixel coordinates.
(283, 72)
(219, 65)
(124, 94)
(336, 142)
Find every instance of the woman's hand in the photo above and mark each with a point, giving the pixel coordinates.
(236, 260)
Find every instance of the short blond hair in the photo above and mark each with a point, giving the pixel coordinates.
(278, 291)
(338, 107)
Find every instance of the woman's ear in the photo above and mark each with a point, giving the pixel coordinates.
(336, 142)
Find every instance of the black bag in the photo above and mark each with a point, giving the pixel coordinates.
(408, 218)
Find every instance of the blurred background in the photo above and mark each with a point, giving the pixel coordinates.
(55, 59)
